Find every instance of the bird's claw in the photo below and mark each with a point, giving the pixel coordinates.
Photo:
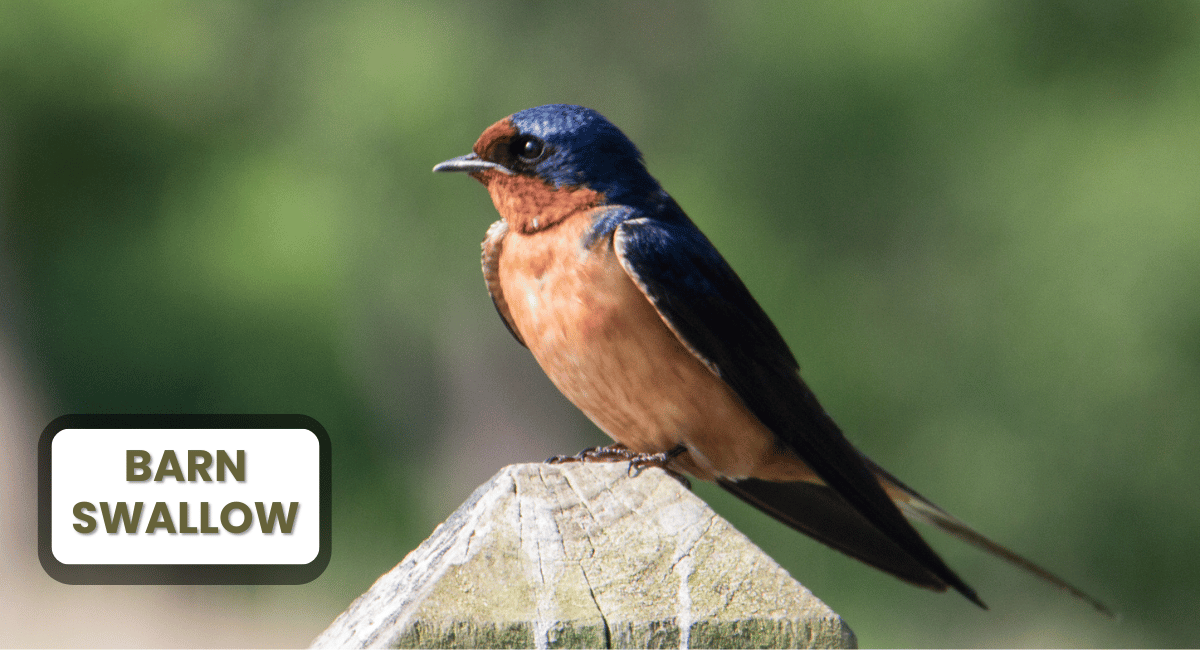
(661, 460)
(610, 454)
(618, 452)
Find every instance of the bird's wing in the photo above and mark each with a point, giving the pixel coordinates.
(493, 244)
(819, 512)
(705, 304)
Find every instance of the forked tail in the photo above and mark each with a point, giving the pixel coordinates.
(916, 507)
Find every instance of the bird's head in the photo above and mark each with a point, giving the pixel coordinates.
(542, 164)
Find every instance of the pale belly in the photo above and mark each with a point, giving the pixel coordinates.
(605, 347)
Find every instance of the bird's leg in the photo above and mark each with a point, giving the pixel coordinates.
(618, 452)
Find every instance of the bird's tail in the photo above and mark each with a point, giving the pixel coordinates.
(817, 511)
(918, 508)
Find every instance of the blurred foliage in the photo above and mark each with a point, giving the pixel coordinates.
(977, 223)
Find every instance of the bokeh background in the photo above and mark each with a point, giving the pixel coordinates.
(977, 223)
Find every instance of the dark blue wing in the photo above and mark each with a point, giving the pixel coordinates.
(705, 303)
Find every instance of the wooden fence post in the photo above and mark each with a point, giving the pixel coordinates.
(585, 555)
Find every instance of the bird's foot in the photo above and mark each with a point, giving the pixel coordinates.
(617, 452)
(613, 453)
(661, 460)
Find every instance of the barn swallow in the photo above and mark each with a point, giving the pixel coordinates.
(639, 321)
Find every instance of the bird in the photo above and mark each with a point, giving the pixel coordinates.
(640, 322)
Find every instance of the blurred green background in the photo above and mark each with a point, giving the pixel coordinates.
(977, 223)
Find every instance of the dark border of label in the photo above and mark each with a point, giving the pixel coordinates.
(184, 574)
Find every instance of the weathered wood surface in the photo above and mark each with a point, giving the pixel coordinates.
(584, 555)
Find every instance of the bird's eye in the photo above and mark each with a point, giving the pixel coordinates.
(528, 148)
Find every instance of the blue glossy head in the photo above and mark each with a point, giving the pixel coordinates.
(583, 148)
(564, 146)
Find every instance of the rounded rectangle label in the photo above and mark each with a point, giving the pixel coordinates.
(184, 499)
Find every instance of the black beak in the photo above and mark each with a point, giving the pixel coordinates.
(469, 163)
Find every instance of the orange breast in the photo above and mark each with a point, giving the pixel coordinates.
(605, 347)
